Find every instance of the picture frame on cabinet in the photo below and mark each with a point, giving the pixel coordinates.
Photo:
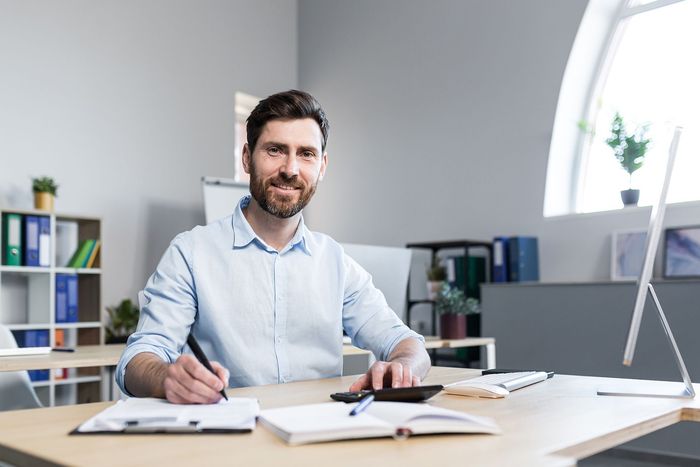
(627, 254)
(682, 252)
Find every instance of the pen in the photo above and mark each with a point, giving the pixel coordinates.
(362, 405)
(197, 351)
(62, 349)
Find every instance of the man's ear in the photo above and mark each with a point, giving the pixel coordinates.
(324, 164)
(246, 158)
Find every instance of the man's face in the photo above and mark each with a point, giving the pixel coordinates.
(285, 165)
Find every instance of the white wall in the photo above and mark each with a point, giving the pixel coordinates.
(127, 104)
(441, 115)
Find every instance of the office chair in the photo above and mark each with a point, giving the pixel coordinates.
(16, 391)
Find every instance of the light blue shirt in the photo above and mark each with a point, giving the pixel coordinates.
(268, 316)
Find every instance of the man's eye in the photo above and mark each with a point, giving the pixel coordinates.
(308, 154)
(273, 151)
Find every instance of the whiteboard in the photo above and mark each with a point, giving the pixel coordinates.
(389, 267)
(221, 195)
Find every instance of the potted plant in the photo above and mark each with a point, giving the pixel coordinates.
(453, 307)
(630, 151)
(44, 189)
(437, 275)
(122, 321)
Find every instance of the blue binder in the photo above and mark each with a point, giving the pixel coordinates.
(31, 241)
(524, 259)
(44, 241)
(500, 259)
(72, 292)
(61, 298)
(37, 338)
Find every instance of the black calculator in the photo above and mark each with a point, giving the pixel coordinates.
(413, 394)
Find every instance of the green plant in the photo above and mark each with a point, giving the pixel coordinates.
(123, 319)
(630, 150)
(436, 272)
(44, 185)
(452, 300)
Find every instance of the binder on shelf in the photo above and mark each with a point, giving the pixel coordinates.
(61, 298)
(524, 259)
(37, 338)
(500, 259)
(44, 241)
(12, 239)
(66, 242)
(476, 274)
(93, 254)
(31, 241)
(60, 342)
(81, 256)
(72, 295)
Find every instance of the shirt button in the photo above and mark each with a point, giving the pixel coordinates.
(279, 340)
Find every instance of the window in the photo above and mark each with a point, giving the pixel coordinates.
(245, 103)
(647, 72)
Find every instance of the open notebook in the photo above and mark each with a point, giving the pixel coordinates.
(330, 421)
(148, 415)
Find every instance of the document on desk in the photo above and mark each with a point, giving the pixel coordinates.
(330, 421)
(148, 415)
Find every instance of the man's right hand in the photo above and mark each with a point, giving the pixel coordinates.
(184, 382)
(188, 382)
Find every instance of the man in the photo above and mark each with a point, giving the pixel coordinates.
(260, 292)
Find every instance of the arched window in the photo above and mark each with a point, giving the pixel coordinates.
(646, 70)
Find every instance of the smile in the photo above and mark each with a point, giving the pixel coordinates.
(285, 187)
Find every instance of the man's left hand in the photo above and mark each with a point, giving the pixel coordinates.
(394, 374)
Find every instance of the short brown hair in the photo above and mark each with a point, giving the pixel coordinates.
(292, 104)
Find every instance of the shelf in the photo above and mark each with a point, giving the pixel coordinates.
(27, 326)
(39, 384)
(26, 269)
(78, 325)
(78, 270)
(77, 380)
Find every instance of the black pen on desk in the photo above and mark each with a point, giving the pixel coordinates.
(362, 405)
(62, 349)
(197, 351)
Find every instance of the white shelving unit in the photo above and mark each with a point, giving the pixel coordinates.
(28, 302)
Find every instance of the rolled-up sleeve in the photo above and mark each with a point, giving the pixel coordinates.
(367, 318)
(168, 309)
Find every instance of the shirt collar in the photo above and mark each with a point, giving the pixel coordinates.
(244, 235)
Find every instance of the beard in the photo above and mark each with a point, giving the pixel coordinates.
(279, 205)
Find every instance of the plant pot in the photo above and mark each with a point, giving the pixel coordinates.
(43, 201)
(434, 289)
(453, 326)
(629, 197)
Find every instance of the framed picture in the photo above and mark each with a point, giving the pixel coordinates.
(627, 254)
(682, 252)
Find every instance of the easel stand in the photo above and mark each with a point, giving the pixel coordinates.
(652, 388)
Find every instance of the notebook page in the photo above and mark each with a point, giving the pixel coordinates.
(318, 418)
(425, 418)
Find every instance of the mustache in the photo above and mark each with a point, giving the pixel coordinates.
(293, 182)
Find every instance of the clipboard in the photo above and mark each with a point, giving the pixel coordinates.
(158, 416)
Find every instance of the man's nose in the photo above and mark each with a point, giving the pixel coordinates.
(291, 166)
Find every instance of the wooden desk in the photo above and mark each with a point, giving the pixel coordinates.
(548, 424)
(84, 356)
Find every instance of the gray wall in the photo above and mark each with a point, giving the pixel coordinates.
(127, 104)
(441, 116)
